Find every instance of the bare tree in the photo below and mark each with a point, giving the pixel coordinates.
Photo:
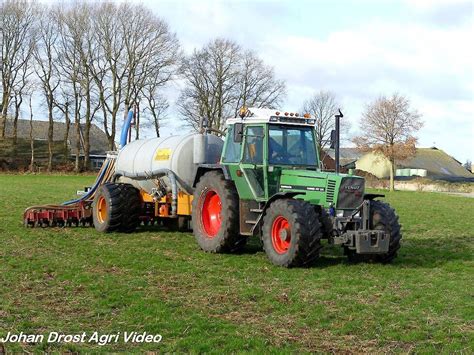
(220, 78)
(388, 126)
(468, 165)
(20, 89)
(157, 106)
(63, 104)
(211, 76)
(32, 139)
(257, 85)
(46, 57)
(16, 21)
(75, 42)
(323, 106)
(126, 54)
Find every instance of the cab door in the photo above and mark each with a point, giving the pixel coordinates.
(253, 160)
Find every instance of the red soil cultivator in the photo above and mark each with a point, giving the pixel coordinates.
(71, 213)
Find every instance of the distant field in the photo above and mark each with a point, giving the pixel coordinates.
(75, 280)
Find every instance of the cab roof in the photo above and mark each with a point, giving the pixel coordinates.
(265, 115)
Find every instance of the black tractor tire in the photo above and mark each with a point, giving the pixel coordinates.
(132, 207)
(215, 214)
(326, 224)
(108, 208)
(383, 217)
(297, 221)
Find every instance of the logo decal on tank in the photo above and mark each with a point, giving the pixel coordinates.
(163, 154)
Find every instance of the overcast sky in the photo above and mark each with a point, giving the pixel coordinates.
(357, 49)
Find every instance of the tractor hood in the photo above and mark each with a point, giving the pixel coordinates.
(324, 188)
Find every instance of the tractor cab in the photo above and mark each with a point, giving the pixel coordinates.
(263, 144)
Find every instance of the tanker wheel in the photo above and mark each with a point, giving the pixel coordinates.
(107, 208)
(291, 233)
(131, 208)
(215, 214)
(383, 218)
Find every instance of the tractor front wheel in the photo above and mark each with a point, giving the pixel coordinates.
(383, 217)
(215, 215)
(291, 233)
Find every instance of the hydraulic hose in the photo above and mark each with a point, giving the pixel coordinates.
(125, 129)
(153, 174)
(93, 188)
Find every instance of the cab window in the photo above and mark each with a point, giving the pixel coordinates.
(253, 152)
(232, 149)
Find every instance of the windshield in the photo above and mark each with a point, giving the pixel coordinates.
(290, 145)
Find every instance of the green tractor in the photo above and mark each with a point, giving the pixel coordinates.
(269, 183)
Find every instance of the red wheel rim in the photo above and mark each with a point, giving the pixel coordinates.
(281, 235)
(211, 213)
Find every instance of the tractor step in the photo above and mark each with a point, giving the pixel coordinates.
(256, 210)
(251, 222)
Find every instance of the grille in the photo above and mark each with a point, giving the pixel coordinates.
(351, 193)
(330, 191)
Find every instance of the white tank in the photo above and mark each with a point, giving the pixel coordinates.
(176, 153)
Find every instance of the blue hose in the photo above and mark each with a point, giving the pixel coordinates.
(93, 188)
(123, 142)
(125, 129)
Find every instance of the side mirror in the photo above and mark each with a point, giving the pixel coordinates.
(238, 132)
(333, 139)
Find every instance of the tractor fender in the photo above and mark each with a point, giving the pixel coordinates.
(204, 168)
(277, 196)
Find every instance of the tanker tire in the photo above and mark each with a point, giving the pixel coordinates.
(383, 218)
(227, 238)
(305, 233)
(112, 193)
(131, 208)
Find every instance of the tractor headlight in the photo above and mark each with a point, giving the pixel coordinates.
(340, 213)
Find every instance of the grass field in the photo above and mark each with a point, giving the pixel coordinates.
(75, 280)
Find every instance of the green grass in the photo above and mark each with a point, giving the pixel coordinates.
(75, 280)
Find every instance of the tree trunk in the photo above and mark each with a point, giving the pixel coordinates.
(77, 121)
(137, 125)
(87, 129)
(157, 124)
(66, 132)
(15, 124)
(50, 135)
(392, 174)
(3, 118)
(32, 141)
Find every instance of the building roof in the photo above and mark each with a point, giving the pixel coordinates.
(436, 162)
(346, 155)
(97, 137)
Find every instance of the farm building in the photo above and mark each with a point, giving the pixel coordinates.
(427, 162)
(347, 158)
(98, 142)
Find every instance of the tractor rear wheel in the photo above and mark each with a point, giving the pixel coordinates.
(215, 214)
(107, 208)
(383, 217)
(291, 233)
